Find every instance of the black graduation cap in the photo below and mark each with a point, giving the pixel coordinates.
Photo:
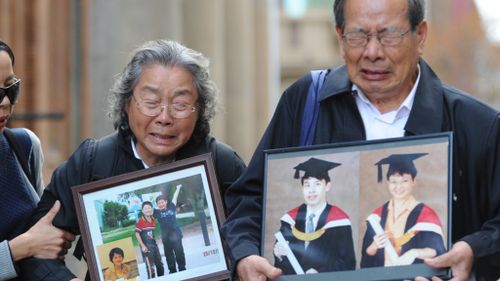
(400, 163)
(316, 168)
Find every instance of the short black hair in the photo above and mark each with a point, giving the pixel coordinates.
(6, 48)
(402, 168)
(146, 203)
(114, 251)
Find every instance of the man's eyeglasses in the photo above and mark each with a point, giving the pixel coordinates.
(153, 108)
(11, 91)
(358, 39)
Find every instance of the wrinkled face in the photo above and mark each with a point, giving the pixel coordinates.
(160, 137)
(401, 186)
(382, 72)
(117, 259)
(6, 78)
(162, 204)
(147, 210)
(314, 191)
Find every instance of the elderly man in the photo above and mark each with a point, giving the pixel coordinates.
(385, 89)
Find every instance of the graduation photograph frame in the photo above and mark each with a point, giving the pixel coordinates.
(362, 203)
(109, 211)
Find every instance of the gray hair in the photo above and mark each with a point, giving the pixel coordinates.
(167, 53)
(416, 13)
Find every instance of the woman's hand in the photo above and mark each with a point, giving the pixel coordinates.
(43, 240)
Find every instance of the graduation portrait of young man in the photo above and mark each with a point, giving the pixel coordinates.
(318, 234)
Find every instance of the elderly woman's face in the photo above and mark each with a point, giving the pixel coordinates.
(159, 137)
(6, 78)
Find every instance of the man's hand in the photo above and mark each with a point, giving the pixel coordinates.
(280, 250)
(256, 268)
(460, 258)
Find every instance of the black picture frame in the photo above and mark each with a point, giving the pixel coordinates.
(356, 191)
(199, 209)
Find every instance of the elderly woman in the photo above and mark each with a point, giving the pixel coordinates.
(21, 188)
(162, 104)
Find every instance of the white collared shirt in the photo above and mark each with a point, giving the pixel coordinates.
(316, 213)
(384, 125)
(132, 143)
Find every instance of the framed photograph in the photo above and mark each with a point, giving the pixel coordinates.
(370, 210)
(160, 223)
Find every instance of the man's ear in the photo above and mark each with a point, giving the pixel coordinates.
(421, 36)
(328, 185)
(339, 33)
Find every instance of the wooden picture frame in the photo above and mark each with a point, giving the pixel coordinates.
(108, 211)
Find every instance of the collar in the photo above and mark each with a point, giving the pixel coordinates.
(405, 105)
(426, 115)
(136, 154)
(316, 213)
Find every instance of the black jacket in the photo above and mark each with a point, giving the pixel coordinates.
(78, 169)
(436, 108)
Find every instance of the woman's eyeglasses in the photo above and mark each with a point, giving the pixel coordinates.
(153, 108)
(11, 91)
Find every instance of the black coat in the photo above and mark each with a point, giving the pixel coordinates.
(78, 170)
(436, 108)
(332, 251)
(422, 239)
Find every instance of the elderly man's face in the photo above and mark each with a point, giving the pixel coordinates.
(385, 74)
(159, 138)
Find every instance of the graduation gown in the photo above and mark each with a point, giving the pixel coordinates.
(422, 230)
(332, 247)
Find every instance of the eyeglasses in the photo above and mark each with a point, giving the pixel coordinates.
(11, 91)
(358, 39)
(154, 108)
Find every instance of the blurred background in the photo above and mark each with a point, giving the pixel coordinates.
(68, 51)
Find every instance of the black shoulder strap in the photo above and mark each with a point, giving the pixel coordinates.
(104, 154)
(20, 142)
(100, 153)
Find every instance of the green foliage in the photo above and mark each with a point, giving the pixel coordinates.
(114, 214)
(128, 222)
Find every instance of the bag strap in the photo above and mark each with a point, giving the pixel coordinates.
(311, 108)
(20, 142)
(100, 152)
(105, 154)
